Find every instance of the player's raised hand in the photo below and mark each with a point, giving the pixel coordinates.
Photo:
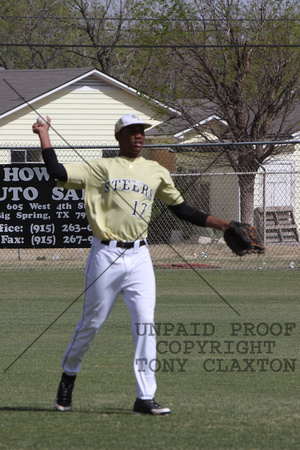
(41, 124)
(41, 127)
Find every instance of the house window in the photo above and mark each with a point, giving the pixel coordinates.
(199, 188)
(18, 156)
(204, 197)
(110, 152)
(25, 156)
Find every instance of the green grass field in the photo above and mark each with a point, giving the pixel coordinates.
(237, 387)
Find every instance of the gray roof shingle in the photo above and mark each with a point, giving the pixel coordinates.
(31, 84)
(206, 110)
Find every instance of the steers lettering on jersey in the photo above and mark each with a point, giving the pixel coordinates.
(126, 184)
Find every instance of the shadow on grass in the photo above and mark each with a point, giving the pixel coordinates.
(35, 409)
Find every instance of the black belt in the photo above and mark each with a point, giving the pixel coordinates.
(124, 244)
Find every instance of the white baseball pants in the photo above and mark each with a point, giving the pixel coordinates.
(112, 271)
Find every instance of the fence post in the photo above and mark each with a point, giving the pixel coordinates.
(264, 202)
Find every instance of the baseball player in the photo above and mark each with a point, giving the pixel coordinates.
(119, 194)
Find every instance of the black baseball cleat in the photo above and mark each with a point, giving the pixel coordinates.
(149, 407)
(63, 401)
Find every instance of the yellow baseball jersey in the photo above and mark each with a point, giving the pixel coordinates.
(119, 194)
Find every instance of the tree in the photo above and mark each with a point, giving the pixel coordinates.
(239, 60)
(104, 28)
(38, 34)
(34, 31)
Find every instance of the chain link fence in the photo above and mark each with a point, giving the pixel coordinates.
(207, 181)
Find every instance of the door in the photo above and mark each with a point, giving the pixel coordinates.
(280, 184)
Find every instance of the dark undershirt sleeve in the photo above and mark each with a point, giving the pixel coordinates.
(186, 212)
(54, 168)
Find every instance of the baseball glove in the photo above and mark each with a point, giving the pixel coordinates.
(242, 238)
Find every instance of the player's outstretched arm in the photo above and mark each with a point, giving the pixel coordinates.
(241, 238)
(217, 223)
(192, 215)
